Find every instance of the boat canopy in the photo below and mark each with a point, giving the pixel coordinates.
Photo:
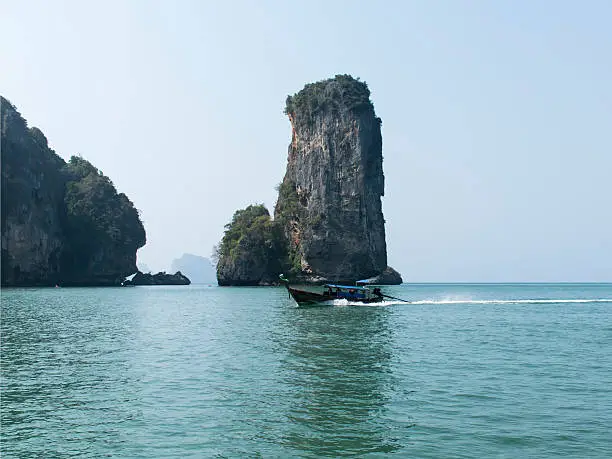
(347, 287)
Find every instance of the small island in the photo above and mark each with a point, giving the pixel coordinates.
(328, 224)
(160, 278)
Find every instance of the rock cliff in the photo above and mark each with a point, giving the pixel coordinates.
(328, 222)
(62, 223)
(330, 197)
(32, 203)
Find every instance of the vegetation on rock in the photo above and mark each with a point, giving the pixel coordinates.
(253, 248)
(288, 204)
(253, 219)
(96, 215)
(343, 92)
(92, 202)
(289, 212)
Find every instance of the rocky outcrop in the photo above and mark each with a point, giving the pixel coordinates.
(330, 197)
(253, 250)
(388, 277)
(62, 223)
(328, 223)
(160, 278)
(102, 228)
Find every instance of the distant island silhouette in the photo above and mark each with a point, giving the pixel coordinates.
(198, 269)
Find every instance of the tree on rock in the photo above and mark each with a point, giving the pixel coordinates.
(252, 251)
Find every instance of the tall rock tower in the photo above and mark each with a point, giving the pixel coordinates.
(330, 198)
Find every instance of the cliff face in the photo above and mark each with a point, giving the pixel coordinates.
(32, 195)
(61, 223)
(330, 197)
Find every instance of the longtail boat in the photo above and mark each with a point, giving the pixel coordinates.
(330, 292)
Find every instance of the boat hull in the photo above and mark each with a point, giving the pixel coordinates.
(305, 298)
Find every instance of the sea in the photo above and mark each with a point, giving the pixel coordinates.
(453, 371)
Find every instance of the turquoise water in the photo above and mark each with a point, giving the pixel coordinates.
(165, 372)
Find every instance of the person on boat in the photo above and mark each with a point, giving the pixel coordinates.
(377, 292)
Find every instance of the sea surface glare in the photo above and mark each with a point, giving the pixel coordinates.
(461, 371)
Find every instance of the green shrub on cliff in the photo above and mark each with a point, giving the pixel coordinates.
(341, 92)
(96, 215)
(252, 239)
(254, 222)
(288, 204)
(289, 210)
(253, 218)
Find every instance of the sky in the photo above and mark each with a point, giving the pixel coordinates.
(497, 118)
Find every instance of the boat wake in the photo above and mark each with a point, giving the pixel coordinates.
(517, 301)
(344, 302)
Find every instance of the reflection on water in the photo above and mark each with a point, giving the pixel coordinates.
(340, 381)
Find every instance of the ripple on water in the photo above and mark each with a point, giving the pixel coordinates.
(462, 371)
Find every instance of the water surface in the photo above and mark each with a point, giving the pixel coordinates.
(475, 370)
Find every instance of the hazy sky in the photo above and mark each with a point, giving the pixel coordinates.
(497, 118)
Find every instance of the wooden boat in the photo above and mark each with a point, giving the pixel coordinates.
(330, 292)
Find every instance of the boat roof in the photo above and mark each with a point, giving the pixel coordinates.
(346, 287)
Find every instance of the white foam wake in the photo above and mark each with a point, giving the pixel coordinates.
(344, 302)
(517, 301)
